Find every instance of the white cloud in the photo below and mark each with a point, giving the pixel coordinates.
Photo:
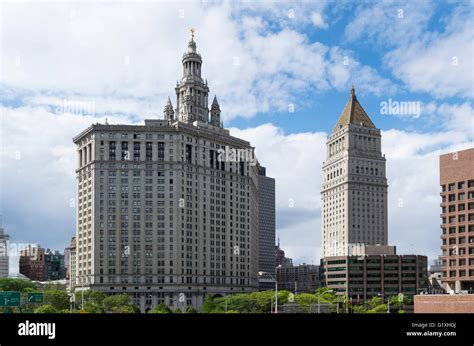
(318, 21)
(389, 23)
(97, 52)
(441, 66)
(436, 61)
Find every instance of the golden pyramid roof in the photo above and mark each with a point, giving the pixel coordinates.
(353, 113)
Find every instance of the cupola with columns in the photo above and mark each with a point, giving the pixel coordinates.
(192, 92)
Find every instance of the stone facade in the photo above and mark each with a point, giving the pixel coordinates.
(163, 215)
(72, 263)
(354, 190)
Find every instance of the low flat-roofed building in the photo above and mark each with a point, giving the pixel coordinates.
(364, 277)
(444, 303)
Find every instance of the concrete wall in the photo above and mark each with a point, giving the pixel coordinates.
(444, 303)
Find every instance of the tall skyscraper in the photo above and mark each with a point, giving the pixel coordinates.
(54, 266)
(354, 190)
(266, 227)
(456, 175)
(168, 211)
(357, 260)
(4, 258)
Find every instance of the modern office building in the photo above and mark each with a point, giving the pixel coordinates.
(266, 228)
(364, 277)
(457, 213)
(54, 268)
(168, 211)
(32, 263)
(302, 278)
(4, 258)
(354, 190)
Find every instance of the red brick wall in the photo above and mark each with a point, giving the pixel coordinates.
(444, 303)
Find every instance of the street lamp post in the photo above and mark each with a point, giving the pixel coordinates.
(276, 286)
(319, 295)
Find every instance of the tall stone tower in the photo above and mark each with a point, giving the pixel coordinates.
(160, 215)
(354, 190)
(192, 92)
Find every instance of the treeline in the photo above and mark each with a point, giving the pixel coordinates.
(57, 300)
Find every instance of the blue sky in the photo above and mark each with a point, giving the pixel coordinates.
(282, 72)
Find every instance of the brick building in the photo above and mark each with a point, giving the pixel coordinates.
(457, 225)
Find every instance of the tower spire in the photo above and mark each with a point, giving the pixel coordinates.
(168, 111)
(215, 113)
(191, 91)
(353, 113)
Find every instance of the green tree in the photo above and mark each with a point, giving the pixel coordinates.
(209, 305)
(240, 302)
(56, 298)
(46, 309)
(177, 311)
(125, 309)
(117, 303)
(17, 285)
(92, 301)
(54, 286)
(161, 308)
(191, 310)
(306, 301)
(397, 306)
(263, 300)
(326, 295)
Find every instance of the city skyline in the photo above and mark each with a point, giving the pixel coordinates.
(279, 123)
